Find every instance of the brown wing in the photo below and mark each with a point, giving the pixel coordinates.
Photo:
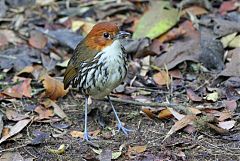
(81, 54)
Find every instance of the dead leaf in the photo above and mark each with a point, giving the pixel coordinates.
(56, 109)
(18, 57)
(54, 88)
(172, 35)
(177, 115)
(16, 129)
(194, 111)
(14, 115)
(11, 156)
(11, 37)
(135, 150)
(227, 124)
(84, 25)
(180, 124)
(63, 36)
(175, 73)
(230, 105)
(228, 6)
(188, 50)
(79, 134)
(148, 112)
(193, 96)
(43, 113)
(226, 114)
(37, 40)
(34, 71)
(165, 114)
(76, 134)
(27, 69)
(20, 90)
(162, 78)
(195, 10)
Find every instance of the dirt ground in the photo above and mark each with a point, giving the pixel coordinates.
(203, 145)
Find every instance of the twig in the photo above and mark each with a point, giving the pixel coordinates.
(8, 57)
(14, 148)
(153, 104)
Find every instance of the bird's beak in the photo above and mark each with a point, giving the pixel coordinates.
(122, 34)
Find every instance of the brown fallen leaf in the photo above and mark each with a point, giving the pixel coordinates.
(43, 113)
(228, 6)
(79, 134)
(14, 115)
(172, 35)
(149, 113)
(33, 71)
(135, 150)
(76, 134)
(10, 36)
(16, 129)
(195, 10)
(194, 111)
(193, 96)
(20, 90)
(54, 88)
(180, 124)
(188, 49)
(164, 114)
(56, 109)
(226, 114)
(162, 78)
(175, 73)
(37, 40)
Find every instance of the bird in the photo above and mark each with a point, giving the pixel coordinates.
(98, 65)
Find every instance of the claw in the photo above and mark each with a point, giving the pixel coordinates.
(86, 137)
(123, 129)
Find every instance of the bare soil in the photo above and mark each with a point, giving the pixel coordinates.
(203, 145)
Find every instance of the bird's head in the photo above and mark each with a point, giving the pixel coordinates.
(103, 34)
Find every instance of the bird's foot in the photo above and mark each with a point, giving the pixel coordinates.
(123, 129)
(86, 137)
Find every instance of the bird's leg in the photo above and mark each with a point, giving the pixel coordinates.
(120, 126)
(86, 137)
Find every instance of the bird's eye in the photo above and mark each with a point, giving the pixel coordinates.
(106, 35)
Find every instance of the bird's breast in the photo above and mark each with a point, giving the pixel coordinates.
(110, 68)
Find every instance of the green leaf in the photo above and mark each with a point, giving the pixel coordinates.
(116, 155)
(212, 96)
(159, 19)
